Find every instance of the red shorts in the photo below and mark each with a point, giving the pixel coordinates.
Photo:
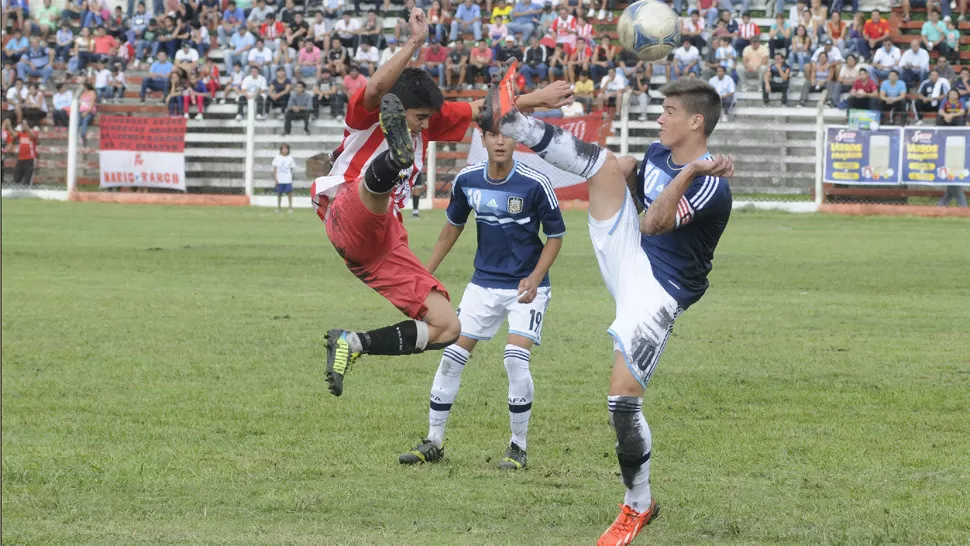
(375, 249)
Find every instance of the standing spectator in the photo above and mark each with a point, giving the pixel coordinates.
(954, 193)
(35, 106)
(63, 41)
(371, 31)
(254, 88)
(347, 29)
(298, 107)
(754, 64)
(186, 59)
(23, 171)
(195, 91)
(239, 46)
(864, 92)
(724, 85)
(354, 81)
(328, 93)
(455, 67)
(283, 166)
(837, 30)
(62, 106)
(279, 92)
(885, 59)
(467, 16)
(234, 89)
(6, 141)
(525, 19)
(38, 60)
(534, 65)
(776, 80)
(479, 59)
(261, 58)
(747, 32)
(232, 19)
(915, 63)
(779, 35)
(174, 95)
(931, 93)
(892, 96)
(158, 73)
(368, 56)
(686, 59)
(818, 77)
(875, 29)
(87, 108)
(845, 79)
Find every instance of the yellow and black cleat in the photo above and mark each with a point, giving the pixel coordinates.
(425, 452)
(339, 359)
(394, 124)
(514, 459)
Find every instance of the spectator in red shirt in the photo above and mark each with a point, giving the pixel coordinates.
(23, 172)
(354, 81)
(875, 29)
(433, 59)
(272, 31)
(864, 92)
(747, 31)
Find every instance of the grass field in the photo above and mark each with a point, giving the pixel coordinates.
(162, 384)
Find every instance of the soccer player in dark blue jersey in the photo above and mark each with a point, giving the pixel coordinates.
(511, 280)
(655, 266)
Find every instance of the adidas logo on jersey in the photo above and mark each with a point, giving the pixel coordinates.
(492, 204)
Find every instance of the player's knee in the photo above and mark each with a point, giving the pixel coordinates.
(444, 330)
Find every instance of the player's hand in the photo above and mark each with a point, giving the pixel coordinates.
(720, 165)
(527, 290)
(554, 95)
(419, 25)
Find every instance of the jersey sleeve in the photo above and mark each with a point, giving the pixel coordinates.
(547, 208)
(358, 116)
(458, 208)
(705, 195)
(451, 123)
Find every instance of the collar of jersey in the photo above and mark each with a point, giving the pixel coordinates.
(515, 165)
(674, 166)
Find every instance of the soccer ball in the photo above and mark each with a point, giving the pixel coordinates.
(650, 29)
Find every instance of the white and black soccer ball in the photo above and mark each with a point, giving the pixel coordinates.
(649, 28)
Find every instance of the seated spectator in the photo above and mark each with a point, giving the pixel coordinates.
(546, 20)
(864, 92)
(195, 91)
(686, 59)
(505, 52)
(779, 35)
(915, 64)
(754, 64)
(16, 98)
(174, 95)
(931, 93)
(945, 70)
(297, 31)
(279, 92)
(928, 4)
(38, 60)
(604, 58)
(837, 30)
(16, 47)
(19, 10)
(454, 66)
(724, 85)
(210, 13)
(439, 23)
(524, 19)
(87, 108)
(392, 48)
(259, 15)
(332, 11)
(801, 49)
(35, 106)
(63, 41)
(328, 93)
(952, 39)
(298, 107)
(845, 79)
(308, 60)
(186, 59)
(933, 34)
(157, 79)
(273, 33)
(468, 16)
(337, 57)
(835, 56)
(885, 59)
(776, 80)
(855, 42)
(318, 33)
(892, 96)
(115, 25)
(558, 64)
(641, 90)
(584, 90)
(287, 13)
(874, 31)
(372, 31)
(693, 30)
(253, 88)
(346, 30)
(233, 18)
(498, 30)
(818, 77)
(61, 102)
(199, 38)
(748, 32)
(97, 13)
(535, 62)
(74, 10)
(368, 56)
(7, 75)
(118, 84)
(287, 58)
(234, 88)
(239, 46)
(101, 80)
(962, 84)
(354, 81)
(611, 88)
(47, 19)
(146, 40)
(166, 38)
(628, 62)
(261, 58)
(479, 60)
(501, 10)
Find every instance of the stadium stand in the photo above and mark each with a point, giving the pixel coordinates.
(774, 145)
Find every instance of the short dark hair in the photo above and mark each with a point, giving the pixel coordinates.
(894, 71)
(417, 89)
(863, 71)
(698, 97)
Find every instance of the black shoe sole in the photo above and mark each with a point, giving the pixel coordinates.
(335, 381)
(486, 115)
(394, 123)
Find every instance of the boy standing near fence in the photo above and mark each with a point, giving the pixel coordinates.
(283, 166)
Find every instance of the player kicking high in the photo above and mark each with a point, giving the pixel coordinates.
(511, 279)
(654, 266)
(388, 122)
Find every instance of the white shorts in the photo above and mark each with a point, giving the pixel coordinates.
(482, 311)
(645, 312)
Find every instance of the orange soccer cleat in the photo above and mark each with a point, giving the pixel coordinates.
(628, 524)
(500, 100)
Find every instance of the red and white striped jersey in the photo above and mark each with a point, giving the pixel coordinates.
(749, 30)
(364, 140)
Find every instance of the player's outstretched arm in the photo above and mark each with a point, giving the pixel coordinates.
(661, 216)
(554, 95)
(387, 75)
(446, 240)
(530, 284)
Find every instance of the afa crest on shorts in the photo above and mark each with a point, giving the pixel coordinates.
(515, 205)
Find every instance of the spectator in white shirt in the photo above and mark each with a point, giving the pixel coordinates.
(915, 63)
(261, 58)
(101, 77)
(391, 49)
(118, 84)
(611, 88)
(283, 166)
(347, 30)
(724, 85)
(254, 87)
(62, 106)
(686, 59)
(833, 53)
(885, 59)
(235, 83)
(367, 57)
(187, 57)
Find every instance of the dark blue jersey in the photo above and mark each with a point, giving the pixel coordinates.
(508, 213)
(681, 259)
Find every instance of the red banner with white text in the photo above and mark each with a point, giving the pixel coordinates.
(567, 185)
(142, 152)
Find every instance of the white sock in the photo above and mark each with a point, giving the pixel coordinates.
(557, 147)
(444, 390)
(633, 444)
(521, 392)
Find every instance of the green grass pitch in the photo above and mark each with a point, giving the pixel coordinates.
(163, 384)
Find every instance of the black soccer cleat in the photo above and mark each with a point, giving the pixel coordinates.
(424, 452)
(515, 458)
(339, 359)
(394, 124)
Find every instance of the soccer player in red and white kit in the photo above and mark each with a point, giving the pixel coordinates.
(387, 122)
